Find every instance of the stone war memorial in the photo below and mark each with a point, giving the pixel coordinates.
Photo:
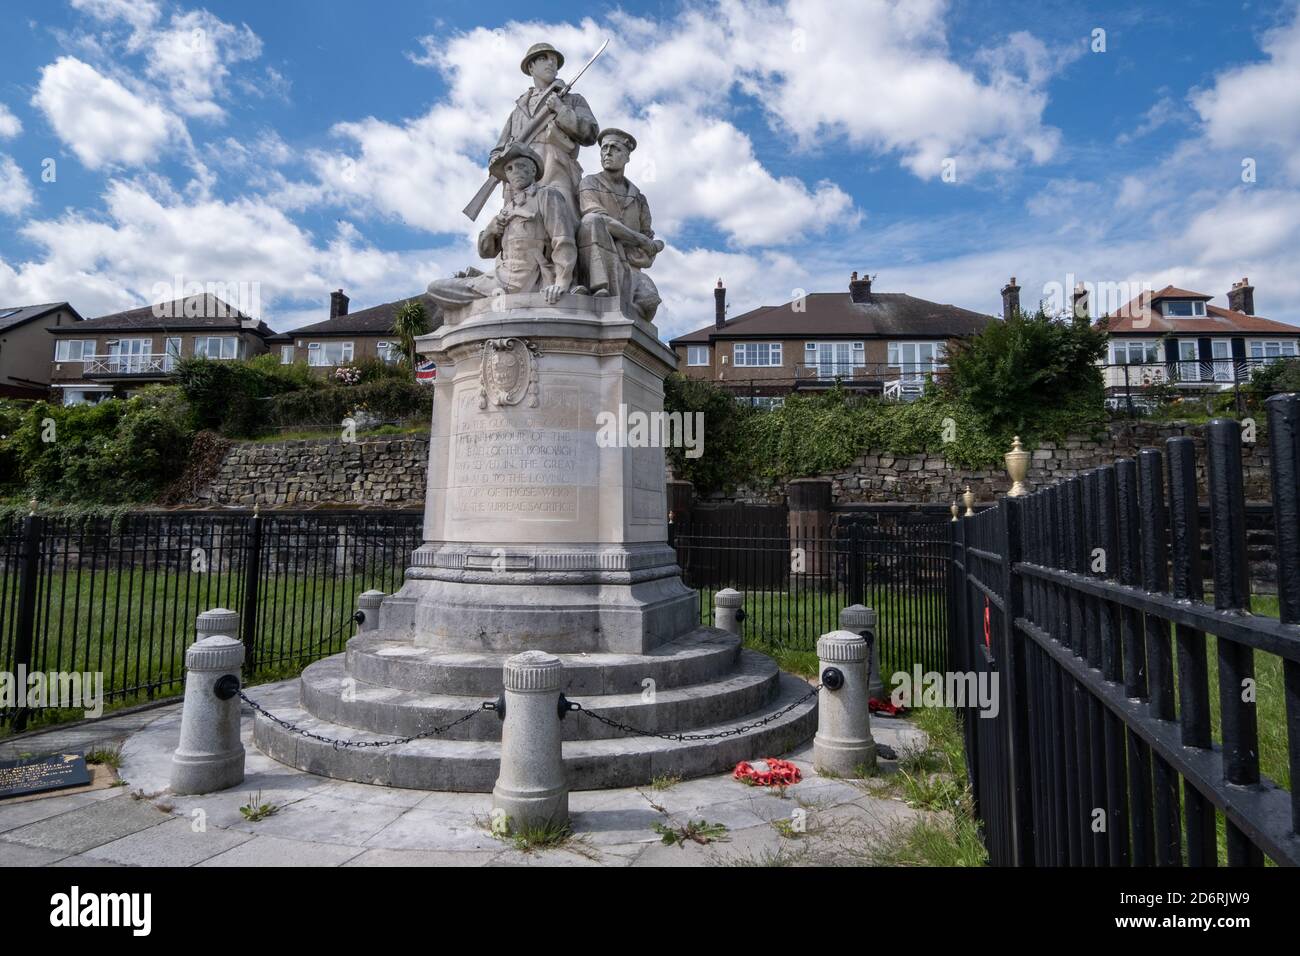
(545, 550)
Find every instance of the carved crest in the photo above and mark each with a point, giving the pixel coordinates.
(508, 372)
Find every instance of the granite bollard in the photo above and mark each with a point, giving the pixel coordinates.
(210, 756)
(843, 742)
(368, 604)
(532, 789)
(218, 620)
(727, 610)
(861, 620)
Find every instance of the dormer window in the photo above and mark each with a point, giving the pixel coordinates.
(1183, 308)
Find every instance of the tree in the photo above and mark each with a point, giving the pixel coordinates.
(1023, 374)
(411, 320)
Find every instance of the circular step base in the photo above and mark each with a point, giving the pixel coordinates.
(471, 766)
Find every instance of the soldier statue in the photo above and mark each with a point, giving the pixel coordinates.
(531, 238)
(615, 241)
(572, 125)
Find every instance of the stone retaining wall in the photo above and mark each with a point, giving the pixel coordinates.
(379, 471)
(927, 477)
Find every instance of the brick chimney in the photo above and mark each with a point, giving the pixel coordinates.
(719, 305)
(860, 289)
(1079, 303)
(338, 304)
(1010, 298)
(1241, 298)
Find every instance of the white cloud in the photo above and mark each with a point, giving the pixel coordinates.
(191, 58)
(100, 120)
(147, 237)
(139, 14)
(10, 126)
(1257, 106)
(15, 192)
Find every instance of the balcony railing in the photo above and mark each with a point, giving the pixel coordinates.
(1213, 374)
(158, 363)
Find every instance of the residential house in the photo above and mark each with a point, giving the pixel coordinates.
(873, 342)
(115, 354)
(1176, 337)
(25, 346)
(347, 337)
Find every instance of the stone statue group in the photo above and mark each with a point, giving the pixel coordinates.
(558, 231)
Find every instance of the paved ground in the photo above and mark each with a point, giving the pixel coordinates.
(321, 822)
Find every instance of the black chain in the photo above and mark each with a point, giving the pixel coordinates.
(337, 744)
(735, 731)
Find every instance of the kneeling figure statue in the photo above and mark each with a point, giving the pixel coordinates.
(531, 238)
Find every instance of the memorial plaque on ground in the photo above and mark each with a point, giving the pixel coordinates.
(37, 774)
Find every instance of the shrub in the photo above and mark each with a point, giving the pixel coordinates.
(1030, 373)
(388, 399)
(116, 451)
(726, 461)
(1274, 378)
(230, 397)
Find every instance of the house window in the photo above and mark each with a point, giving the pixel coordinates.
(1189, 365)
(698, 355)
(830, 359)
(389, 352)
(1185, 308)
(1260, 349)
(326, 354)
(286, 354)
(915, 359)
(1129, 352)
(73, 350)
(757, 354)
(765, 403)
(217, 346)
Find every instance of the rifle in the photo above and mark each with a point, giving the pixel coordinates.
(545, 110)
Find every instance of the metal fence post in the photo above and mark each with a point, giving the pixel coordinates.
(252, 580)
(29, 569)
(1015, 703)
(1284, 443)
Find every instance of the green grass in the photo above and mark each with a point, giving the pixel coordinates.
(786, 624)
(933, 778)
(133, 626)
(1270, 710)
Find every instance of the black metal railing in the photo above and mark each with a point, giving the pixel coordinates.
(119, 596)
(1110, 746)
(796, 584)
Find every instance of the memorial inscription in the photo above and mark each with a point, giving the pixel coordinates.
(38, 774)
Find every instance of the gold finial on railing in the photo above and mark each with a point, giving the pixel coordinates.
(968, 498)
(1017, 460)
(955, 511)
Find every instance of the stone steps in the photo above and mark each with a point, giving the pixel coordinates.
(701, 655)
(471, 765)
(331, 693)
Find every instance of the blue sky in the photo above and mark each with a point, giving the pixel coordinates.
(296, 147)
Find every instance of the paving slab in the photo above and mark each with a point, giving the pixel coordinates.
(91, 826)
(174, 843)
(385, 857)
(16, 854)
(326, 822)
(277, 851)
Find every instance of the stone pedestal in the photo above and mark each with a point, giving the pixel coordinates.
(843, 741)
(210, 756)
(546, 521)
(531, 789)
(545, 532)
